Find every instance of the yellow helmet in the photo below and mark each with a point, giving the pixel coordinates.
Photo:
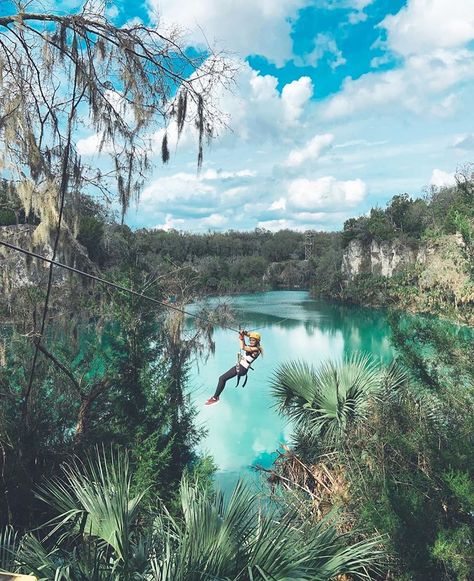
(255, 335)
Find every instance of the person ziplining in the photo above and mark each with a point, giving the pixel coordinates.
(244, 363)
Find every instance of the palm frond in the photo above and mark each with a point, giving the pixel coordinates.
(95, 498)
(395, 378)
(325, 402)
(293, 385)
(34, 559)
(236, 539)
(217, 537)
(9, 546)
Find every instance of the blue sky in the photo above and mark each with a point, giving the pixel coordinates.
(338, 105)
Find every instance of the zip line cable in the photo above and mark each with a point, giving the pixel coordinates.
(108, 283)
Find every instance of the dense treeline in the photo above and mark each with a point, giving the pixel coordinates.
(221, 262)
(260, 260)
(231, 261)
(443, 210)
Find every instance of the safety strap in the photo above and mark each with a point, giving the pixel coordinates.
(246, 376)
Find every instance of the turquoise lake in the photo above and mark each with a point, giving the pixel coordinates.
(244, 429)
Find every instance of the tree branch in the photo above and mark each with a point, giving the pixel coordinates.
(62, 367)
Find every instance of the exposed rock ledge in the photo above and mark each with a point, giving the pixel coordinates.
(17, 270)
(380, 258)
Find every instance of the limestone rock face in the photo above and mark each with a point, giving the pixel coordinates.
(355, 260)
(379, 258)
(18, 270)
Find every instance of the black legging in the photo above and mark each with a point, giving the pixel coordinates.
(228, 375)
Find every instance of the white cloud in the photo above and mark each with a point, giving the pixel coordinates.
(275, 225)
(325, 193)
(378, 61)
(304, 221)
(236, 193)
(90, 145)
(311, 151)
(411, 87)
(359, 142)
(325, 46)
(186, 201)
(426, 25)
(464, 141)
(279, 204)
(432, 39)
(179, 186)
(360, 4)
(311, 217)
(112, 11)
(212, 174)
(441, 178)
(356, 17)
(246, 27)
(215, 221)
(357, 5)
(255, 110)
(170, 223)
(294, 97)
(348, 4)
(264, 87)
(258, 112)
(189, 201)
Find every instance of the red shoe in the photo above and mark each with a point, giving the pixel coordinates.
(212, 400)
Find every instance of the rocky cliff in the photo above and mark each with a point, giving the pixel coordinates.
(379, 258)
(18, 270)
(440, 283)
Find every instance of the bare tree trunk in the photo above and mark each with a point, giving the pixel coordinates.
(82, 420)
(83, 415)
(87, 399)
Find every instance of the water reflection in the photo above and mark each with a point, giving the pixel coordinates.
(244, 429)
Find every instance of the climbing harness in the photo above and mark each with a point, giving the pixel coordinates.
(237, 368)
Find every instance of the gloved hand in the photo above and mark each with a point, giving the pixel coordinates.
(241, 335)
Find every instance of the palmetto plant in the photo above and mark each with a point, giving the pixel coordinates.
(240, 541)
(103, 533)
(325, 402)
(9, 543)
